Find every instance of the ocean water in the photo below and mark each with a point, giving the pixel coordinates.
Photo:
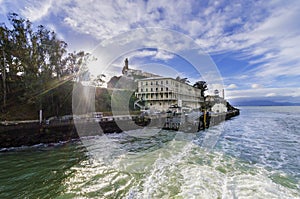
(254, 155)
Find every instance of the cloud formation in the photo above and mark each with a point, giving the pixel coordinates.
(264, 35)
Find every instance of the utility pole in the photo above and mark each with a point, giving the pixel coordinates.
(4, 80)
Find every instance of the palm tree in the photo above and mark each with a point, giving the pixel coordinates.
(202, 85)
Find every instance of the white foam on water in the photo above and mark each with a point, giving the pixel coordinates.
(144, 132)
(216, 177)
(179, 169)
(164, 170)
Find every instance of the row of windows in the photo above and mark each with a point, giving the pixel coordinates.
(156, 89)
(154, 83)
(166, 95)
(158, 96)
(187, 92)
(184, 88)
(160, 104)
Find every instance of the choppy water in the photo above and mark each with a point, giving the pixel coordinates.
(255, 155)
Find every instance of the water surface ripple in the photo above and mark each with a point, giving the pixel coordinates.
(255, 155)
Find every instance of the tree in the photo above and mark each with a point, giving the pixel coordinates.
(3, 74)
(98, 81)
(202, 86)
(35, 65)
(5, 45)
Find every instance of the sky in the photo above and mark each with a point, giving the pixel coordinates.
(252, 46)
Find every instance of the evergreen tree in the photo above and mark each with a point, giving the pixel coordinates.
(35, 67)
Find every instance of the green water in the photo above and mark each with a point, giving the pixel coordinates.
(177, 169)
(226, 161)
(38, 172)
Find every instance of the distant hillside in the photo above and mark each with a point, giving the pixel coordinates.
(261, 103)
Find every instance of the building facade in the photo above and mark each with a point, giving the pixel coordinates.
(159, 93)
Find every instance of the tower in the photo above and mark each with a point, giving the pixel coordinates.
(125, 68)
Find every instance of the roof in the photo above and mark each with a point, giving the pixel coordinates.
(156, 78)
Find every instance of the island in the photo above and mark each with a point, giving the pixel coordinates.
(160, 102)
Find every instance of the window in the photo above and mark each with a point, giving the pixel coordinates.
(161, 82)
(156, 82)
(141, 90)
(166, 81)
(146, 89)
(151, 83)
(151, 89)
(146, 83)
(167, 89)
(162, 89)
(161, 95)
(156, 89)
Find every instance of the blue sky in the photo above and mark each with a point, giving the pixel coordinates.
(255, 45)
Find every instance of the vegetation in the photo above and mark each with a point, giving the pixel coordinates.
(202, 85)
(36, 70)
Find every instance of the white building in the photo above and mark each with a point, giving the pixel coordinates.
(159, 93)
(219, 108)
(218, 103)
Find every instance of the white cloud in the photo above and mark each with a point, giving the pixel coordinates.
(255, 86)
(254, 27)
(269, 92)
(232, 86)
(154, 54)
(1, 2)
(267, 34)
(70, 22)
(271, 95)
(35, 10)
(163, 55)
(144, 53)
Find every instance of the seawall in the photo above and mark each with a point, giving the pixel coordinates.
(32, 133)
